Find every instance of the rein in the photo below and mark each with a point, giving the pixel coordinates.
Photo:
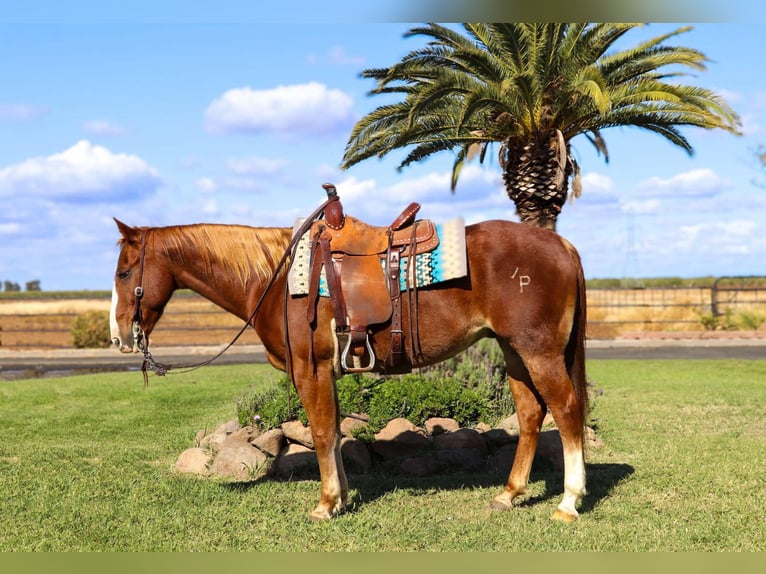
(141, 340)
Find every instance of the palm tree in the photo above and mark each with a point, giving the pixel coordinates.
(532, 88)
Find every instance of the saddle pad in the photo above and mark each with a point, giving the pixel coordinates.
(447, 261)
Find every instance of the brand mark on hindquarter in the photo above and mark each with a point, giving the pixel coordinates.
(524, 280)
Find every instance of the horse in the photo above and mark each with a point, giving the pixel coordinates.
(525, 288)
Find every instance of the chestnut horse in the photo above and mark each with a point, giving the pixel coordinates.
(525, 288)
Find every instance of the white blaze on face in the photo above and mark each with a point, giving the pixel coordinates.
(114, 328)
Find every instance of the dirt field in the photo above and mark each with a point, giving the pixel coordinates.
(46, 323)
(191, 320)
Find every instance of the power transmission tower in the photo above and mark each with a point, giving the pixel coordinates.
(631, 273)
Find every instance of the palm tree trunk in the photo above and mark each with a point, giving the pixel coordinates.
(536, 174)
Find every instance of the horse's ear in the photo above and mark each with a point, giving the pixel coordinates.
(128, 233)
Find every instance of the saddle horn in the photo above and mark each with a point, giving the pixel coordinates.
(333, 213)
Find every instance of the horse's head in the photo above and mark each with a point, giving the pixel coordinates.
(143, 285)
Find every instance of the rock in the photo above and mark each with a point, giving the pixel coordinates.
(270, 442)
(461, 458)
(438, 425)
(483, 427)
(592, 439)
(193, 461)
(399, 438)
(296, 459)
(504, 458)
(461, 439)
(239, 459)
(295, 432)
(418, 466)
(349, 424)
(356, 455)
(510, 424)
(549, 447)
(216, 440)
(244, 434)
(498, 437)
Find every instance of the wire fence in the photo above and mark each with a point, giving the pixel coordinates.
(189, 320)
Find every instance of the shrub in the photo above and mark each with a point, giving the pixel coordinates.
(90, 330)
(419, 397)
(470, 388)
(750, 319)
(267, 409)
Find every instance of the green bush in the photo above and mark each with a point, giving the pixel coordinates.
(419, 397)
(750, 319)
(470, 388)
(268, 409)
(90, 330)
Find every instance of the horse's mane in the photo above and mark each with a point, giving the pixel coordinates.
(246, 251)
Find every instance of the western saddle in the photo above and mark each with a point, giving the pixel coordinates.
(363, 267)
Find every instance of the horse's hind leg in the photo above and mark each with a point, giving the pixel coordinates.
(319, 400)
(530, 410)
(554, 385)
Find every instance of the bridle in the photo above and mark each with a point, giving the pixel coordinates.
(141, 340)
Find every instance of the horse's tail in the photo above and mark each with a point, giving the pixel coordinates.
(575, 350)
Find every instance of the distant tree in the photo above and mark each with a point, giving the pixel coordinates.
(530, 89)
(33, 285)
(11, 286)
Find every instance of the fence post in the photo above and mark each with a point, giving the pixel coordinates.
(714, 298)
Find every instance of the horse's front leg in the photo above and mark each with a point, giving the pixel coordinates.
(318, 396)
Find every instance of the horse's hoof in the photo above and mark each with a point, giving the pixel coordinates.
(320, 515)
(497, 506)
(562, 516)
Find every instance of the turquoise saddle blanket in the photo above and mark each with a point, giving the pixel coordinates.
(447, 261)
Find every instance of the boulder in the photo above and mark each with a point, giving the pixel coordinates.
(498, 437)
(270, 442)
(549, 448)
(296, 459)
(240, 460)
(418, 466)
(193, 461)
(592, 439)
(510, 424)
(503, 458)
(356, 455)
(399, 438)
(462, 438)
(216, 439)
(438, 425)
(296, 432)
(461, 458)
(349, 424)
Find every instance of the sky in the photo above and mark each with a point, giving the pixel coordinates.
(163, 122)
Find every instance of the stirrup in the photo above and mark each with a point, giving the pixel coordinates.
(344, 367)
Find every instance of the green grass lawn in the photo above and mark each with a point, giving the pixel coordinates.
(86, 465)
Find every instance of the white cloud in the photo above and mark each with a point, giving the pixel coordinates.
(206, 185)
(20, 111)
(703, 182)
(84, 172)
(479, 195)
(103, 128)
(9, 228)
(338, 55)
(721, 231)
(641, 207)
(303, 108)
(256, 165)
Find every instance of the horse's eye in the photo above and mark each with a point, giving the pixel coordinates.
(123, 274)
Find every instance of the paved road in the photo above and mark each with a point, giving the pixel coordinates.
(19, 364)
